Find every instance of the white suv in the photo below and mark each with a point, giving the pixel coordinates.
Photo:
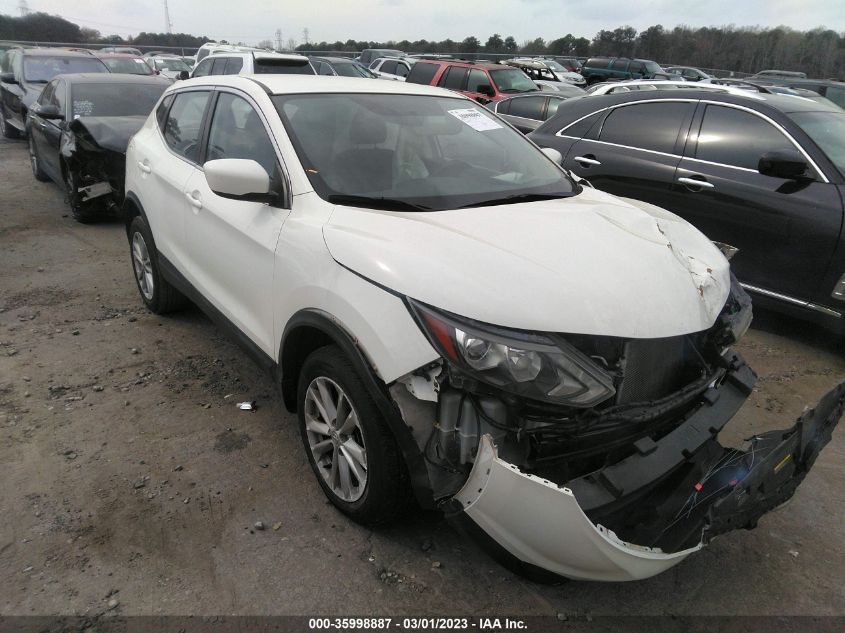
(449, 313)
(251, 63)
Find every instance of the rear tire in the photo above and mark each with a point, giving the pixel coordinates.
(353, 453)
(35, 161)
(6, 129)
(156, 292)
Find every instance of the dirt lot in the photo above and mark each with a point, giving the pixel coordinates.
(128, 473)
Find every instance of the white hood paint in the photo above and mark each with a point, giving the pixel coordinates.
(591, 264)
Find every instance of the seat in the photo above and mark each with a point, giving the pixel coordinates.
(364, 168)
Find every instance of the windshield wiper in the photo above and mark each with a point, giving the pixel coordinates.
(517, 198)
(391, 204)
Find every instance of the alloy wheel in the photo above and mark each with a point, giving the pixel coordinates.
(335, 438)
(143, 267)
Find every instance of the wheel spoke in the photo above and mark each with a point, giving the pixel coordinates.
(326, 400)
(356, 463)
(315, 426)
(333, 481)
(322, 447)
(345, 479)
(350, 424)
(318, 402)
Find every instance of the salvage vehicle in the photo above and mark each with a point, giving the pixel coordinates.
(340, 67)
(598, 69)
(369, 54)
(253, 62)
(546, 70)
(483, 81)
(449, 313)
(527, 112)
(761, 172)
(32, 68)
(391, 68)
(122, 50)
(78, 131)
(126, 64)
(689, 73)
(170, 66)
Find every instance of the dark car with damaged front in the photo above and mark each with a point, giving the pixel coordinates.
(78, 132)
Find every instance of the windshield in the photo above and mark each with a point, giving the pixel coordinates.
(128, 66)
(352, 70)
(114, 99)
(653, 67)
(512, 80)
(405, 152)
(827, 129)
(556, 67)
(171, 64)
(42, 69)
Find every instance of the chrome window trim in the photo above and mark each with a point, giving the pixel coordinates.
(708, 162)
(792, 300)
(776, 125)
(638, 149)
(622, 105)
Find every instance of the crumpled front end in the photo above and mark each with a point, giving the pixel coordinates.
(596, 457)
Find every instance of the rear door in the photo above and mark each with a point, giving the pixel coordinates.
(38, 126)
(476, 78)
(526, 113)
(635, 150)
(786, 231)
(232, 243)
(51, 131)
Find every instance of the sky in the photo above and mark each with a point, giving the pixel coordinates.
(382, 20)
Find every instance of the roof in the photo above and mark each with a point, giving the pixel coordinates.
(114, 78)
(102, 55)
(55, 52)
(783, 103)
(464, 62)
(303, 84)
(335, 60)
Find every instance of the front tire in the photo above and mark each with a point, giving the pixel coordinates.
(7, 130)
(83, 212)
(35, 162)
(349, 445)
(156, 292)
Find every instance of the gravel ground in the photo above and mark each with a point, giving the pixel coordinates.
(131, 483)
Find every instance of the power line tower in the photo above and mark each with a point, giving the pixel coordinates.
(305, 37)
(23, 7)
(167, 21)
(278, 39)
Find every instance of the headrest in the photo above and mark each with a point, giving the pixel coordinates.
(367, 129)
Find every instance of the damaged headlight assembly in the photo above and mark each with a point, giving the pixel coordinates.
(526, 364)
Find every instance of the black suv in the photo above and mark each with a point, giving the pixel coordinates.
(764, 173)
(31, 69)
(829, 88)
(598, 69)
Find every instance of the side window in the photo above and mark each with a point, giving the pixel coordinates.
(456, 79)
(620, 64)
(374, 65)
(637, 67)
(476, 78)
(58, 97)
(219, 66)
(836, 94)
(203, 68)
(422, 73)
(734, 137)
(47, 93)
(238, 132)
(234, 65)
(184, 124)
(651, 126)
(324, 69)
(554, 104)
(528, 107)
(388, 66)
(161, 111)
(402, 69)
(582, 127)
(504, 107)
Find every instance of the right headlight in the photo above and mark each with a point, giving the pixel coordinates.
(526, 364)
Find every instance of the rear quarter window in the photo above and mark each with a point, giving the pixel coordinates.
(422, 73)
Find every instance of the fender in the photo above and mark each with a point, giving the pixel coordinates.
(132, 198)
(336, 333)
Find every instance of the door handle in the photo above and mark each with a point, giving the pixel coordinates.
(587, 160)
(194, 202)
(144, 167)
(695, 182)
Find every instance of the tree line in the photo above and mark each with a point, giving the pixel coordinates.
(819, 52)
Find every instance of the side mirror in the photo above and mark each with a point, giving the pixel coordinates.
(49, 111)
(552, 153)
(238, 179)
(486, 89)
(8, 78)
(783, 163)
(184, 75)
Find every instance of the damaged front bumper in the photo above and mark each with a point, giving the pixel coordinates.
(651, 510)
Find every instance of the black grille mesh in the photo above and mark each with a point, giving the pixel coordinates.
(654, 368)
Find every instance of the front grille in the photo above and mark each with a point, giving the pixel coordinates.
(655, 368)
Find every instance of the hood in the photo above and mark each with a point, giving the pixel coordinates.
(589, 264)
(108, 132)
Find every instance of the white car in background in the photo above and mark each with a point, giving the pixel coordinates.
(455, 320)
(253, 62)
(169, 66)
(392, 68)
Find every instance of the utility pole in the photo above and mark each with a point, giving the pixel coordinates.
(167, 22)
(23, 7)
(305, 36)
(278, 39)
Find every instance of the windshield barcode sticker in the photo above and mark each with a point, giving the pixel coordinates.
(475, 119)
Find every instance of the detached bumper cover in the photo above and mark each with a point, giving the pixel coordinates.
(539, 524)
